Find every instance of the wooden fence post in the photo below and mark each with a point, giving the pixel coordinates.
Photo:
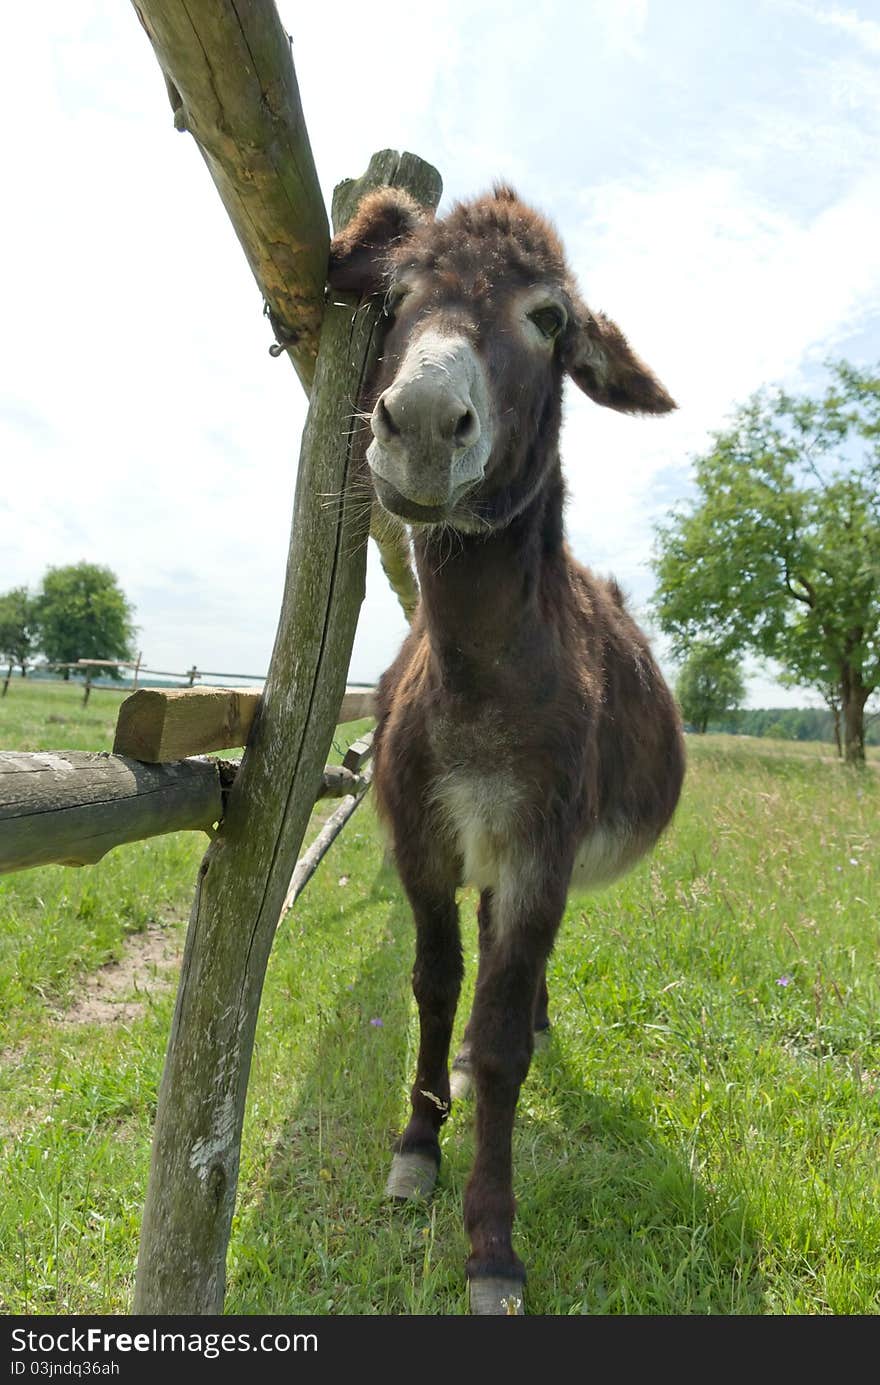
(246, 871)
(230, 78)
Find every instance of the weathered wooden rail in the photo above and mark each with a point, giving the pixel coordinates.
(306, 866)
(244, 878)
(71, 807)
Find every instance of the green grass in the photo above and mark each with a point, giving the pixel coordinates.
(698, 1138)
(50, 716)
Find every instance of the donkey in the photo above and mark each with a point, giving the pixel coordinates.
(525, 738)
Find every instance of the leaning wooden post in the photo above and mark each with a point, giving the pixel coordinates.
(245, 873)
(230, 78)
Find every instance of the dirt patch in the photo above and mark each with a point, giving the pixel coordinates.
(118, 993)
(12, 1058)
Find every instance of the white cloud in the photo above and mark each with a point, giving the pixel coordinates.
(621, 26)
(866, 32)
(720, 295)
(142, 422)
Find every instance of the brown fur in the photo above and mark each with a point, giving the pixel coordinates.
(523, 683)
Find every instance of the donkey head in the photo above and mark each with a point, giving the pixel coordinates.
(485, 321)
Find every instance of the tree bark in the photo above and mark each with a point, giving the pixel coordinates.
(833, 705)
(853, 696)
(231, 82)
(246, 871)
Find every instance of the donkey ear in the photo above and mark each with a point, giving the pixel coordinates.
(358, 253)
(601, 362)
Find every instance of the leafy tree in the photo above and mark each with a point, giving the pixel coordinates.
(19, 638)
(84, 614)
(709, 685)
(780, 551)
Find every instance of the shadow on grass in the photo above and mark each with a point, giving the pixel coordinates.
(609, 1220)
(319, 1236)
(612, 1220)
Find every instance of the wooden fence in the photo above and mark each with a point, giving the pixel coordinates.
(91, 671)
(72, 807)
(229, 75)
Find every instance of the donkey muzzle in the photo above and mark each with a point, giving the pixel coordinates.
(431, 429)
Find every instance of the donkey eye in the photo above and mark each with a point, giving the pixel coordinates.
(549, 320)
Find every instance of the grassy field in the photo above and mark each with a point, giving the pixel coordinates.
(701, 1136)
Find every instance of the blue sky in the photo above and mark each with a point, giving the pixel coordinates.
(712, 168)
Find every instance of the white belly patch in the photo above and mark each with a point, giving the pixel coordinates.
(488, 817)
(484, 815)
(604, 855)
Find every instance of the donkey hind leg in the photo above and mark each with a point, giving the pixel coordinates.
(541, 1022)
(436, 983)
(462, 1082)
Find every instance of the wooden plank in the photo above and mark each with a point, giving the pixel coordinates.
(243, 879)
(101, 663)
(71, 807)
(358, 753)
(157, 725)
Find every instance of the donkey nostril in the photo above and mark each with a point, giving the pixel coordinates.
(382, 422)
(467, 429)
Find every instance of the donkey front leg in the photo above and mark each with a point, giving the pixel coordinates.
(436, 983)
(502, 1040)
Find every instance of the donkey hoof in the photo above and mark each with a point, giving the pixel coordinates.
(412, 1175)
(461, 1081)
(497, 1296)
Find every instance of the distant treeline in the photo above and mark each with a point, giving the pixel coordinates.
(788, 724)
